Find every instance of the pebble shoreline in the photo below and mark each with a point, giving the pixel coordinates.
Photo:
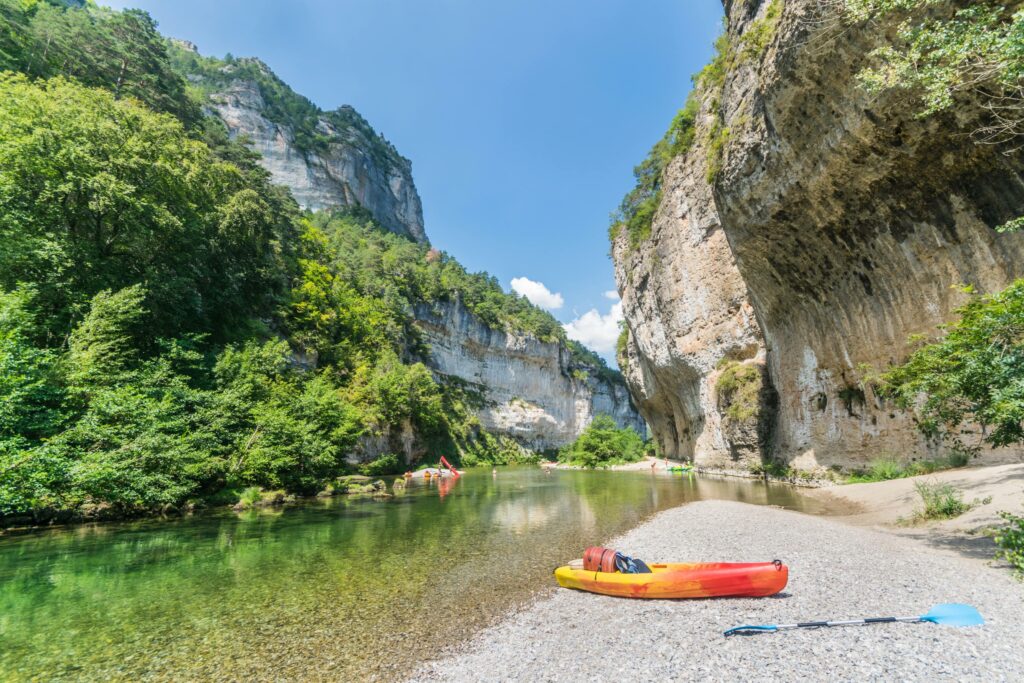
(836, 572)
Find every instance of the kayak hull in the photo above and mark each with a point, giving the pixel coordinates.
(685, 580)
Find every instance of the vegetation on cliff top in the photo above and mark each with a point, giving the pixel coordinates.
(636, 212)
(207, 76)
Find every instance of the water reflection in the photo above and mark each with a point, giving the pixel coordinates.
(346, 585)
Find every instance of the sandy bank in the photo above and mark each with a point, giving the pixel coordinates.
(648, 464)
(887, 502)
(836, 571)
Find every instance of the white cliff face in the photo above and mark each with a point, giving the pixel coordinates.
(532, 391)
(687, 311)
(344, 173)
(839, 225)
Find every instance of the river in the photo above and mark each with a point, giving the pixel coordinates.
(337, 589)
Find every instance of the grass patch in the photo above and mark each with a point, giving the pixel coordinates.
(940, 501)
(885, 469)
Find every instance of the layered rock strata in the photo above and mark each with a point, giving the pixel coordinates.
(531, 390)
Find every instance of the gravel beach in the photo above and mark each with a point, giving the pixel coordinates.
(836, 571)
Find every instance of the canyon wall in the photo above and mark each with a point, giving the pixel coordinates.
(341, 162)
(531, 390)
(834, 225)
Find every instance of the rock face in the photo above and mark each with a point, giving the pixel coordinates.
(531, 390)
(354, 167)
(837, 226)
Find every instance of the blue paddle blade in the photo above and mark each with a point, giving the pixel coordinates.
(954, 614)
(750, 629)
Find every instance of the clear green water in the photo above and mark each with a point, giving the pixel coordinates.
(340, 589)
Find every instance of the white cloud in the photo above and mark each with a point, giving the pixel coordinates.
(611, 294)
(599, 332)
(537, 293)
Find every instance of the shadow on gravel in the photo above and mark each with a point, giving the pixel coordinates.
(978, 547)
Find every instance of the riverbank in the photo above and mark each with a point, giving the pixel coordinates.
(893, 503)
(648, 464)
(836, 571)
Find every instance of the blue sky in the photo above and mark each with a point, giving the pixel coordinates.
(523, 118)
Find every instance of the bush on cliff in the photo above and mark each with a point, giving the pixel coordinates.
(945, 53)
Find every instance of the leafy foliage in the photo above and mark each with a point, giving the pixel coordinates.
(945, 51)
(99, 193)
(121, 51)
(389, 463)
(1010, 540)
(975, 372)
(739, 390)
(603, 443)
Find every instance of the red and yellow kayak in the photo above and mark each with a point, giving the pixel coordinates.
(689, 580)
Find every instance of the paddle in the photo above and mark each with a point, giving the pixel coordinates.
(949, 614)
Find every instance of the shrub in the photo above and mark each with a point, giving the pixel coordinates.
(773, 468)
(250, 497)
(603, 443)
(940, 501)
(884, 469)
(389, 463)
(1010, 540)
(756, 38)
(739, 390)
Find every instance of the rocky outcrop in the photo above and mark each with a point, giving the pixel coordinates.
(836, 225)
(530, 390)
(350, 165)
(687, 311)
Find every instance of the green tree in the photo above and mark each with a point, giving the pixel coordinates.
(974, 372)
(121, 51)
(104, 346)
(99, 193)
(31, 397)
(603, 443)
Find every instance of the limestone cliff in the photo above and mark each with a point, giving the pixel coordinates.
(328, 159)
(809, 231)
(533, 391)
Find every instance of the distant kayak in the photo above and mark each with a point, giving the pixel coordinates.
(680, 469)
(693, 580)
